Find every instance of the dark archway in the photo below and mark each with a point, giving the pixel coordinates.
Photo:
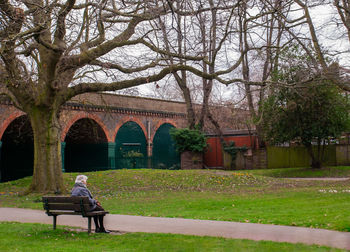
(17, 150)
(86, 147)
(130, 147)
(164, 152)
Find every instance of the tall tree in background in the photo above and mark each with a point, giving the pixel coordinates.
(212, 34)
(313, 112)
(203, 33)
(305, 112)
(260, 63)
(175, 41)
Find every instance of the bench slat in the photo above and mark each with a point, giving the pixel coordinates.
(65, 199)
(54, 212)
(67, 206)
(94, 213)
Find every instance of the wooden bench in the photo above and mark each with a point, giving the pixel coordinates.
(65, 205)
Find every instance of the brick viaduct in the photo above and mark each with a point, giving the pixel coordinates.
(110, 112)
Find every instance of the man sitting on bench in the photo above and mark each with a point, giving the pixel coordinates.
(80, 189)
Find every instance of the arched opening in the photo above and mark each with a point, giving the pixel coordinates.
(130, 147)
(17, 150)
(86, 147)
(164, 152)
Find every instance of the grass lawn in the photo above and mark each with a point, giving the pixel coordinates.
(244, 196)
(37, 237)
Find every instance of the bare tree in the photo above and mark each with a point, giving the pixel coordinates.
(260, 37)
(178, 45)
(205, 33)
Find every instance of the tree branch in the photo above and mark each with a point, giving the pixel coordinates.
(61, 23)
(108, 65)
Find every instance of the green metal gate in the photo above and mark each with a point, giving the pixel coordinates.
(130, 147)
(164, 152)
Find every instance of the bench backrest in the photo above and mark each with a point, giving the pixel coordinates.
(66, 203)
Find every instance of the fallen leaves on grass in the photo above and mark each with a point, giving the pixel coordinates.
(8, 193)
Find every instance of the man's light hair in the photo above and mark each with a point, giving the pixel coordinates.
(81, 178)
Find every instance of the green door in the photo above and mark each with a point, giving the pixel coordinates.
(130, 147)
(164, 152)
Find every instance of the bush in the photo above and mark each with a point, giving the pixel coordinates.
(189, 140)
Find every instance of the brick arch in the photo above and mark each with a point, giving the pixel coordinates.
(129, 119)
(9, 120)
(160, 123)
(83, 115)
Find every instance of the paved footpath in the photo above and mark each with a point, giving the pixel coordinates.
(251, 231)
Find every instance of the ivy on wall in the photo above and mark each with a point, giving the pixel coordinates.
(233, 150)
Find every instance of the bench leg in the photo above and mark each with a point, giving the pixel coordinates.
(89, 224)
(54, 221)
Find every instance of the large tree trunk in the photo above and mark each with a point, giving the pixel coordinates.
(47, 175)
(315, 160)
